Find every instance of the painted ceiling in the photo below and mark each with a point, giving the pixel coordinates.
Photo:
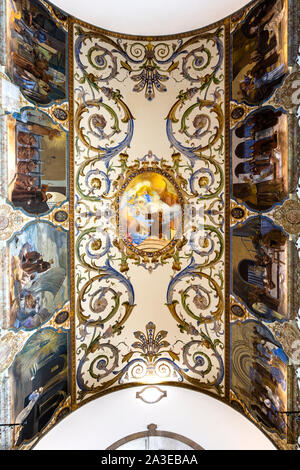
(149, 214)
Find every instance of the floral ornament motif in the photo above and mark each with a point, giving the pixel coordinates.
(60, 114)
(57, 14)
(92, 182)
(99, 122)
(200, 59)
(150, 357)
(149, 65)
(201, 357)
(155, 364)
(91, 247)
(97, 56)
(150, 77)
(208, 244)
(151, 343)
(238, 213)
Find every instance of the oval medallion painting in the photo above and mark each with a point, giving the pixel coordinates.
(150, 212)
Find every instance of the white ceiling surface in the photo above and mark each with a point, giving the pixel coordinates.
(199, 417)
(155, 17)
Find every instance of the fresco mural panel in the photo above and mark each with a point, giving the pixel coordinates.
(37, 177)
(36, 52)
(149, 215)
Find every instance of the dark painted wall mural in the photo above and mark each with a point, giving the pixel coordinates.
(259, 148)
(38, 274)
(259, 54)
(149, 215)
